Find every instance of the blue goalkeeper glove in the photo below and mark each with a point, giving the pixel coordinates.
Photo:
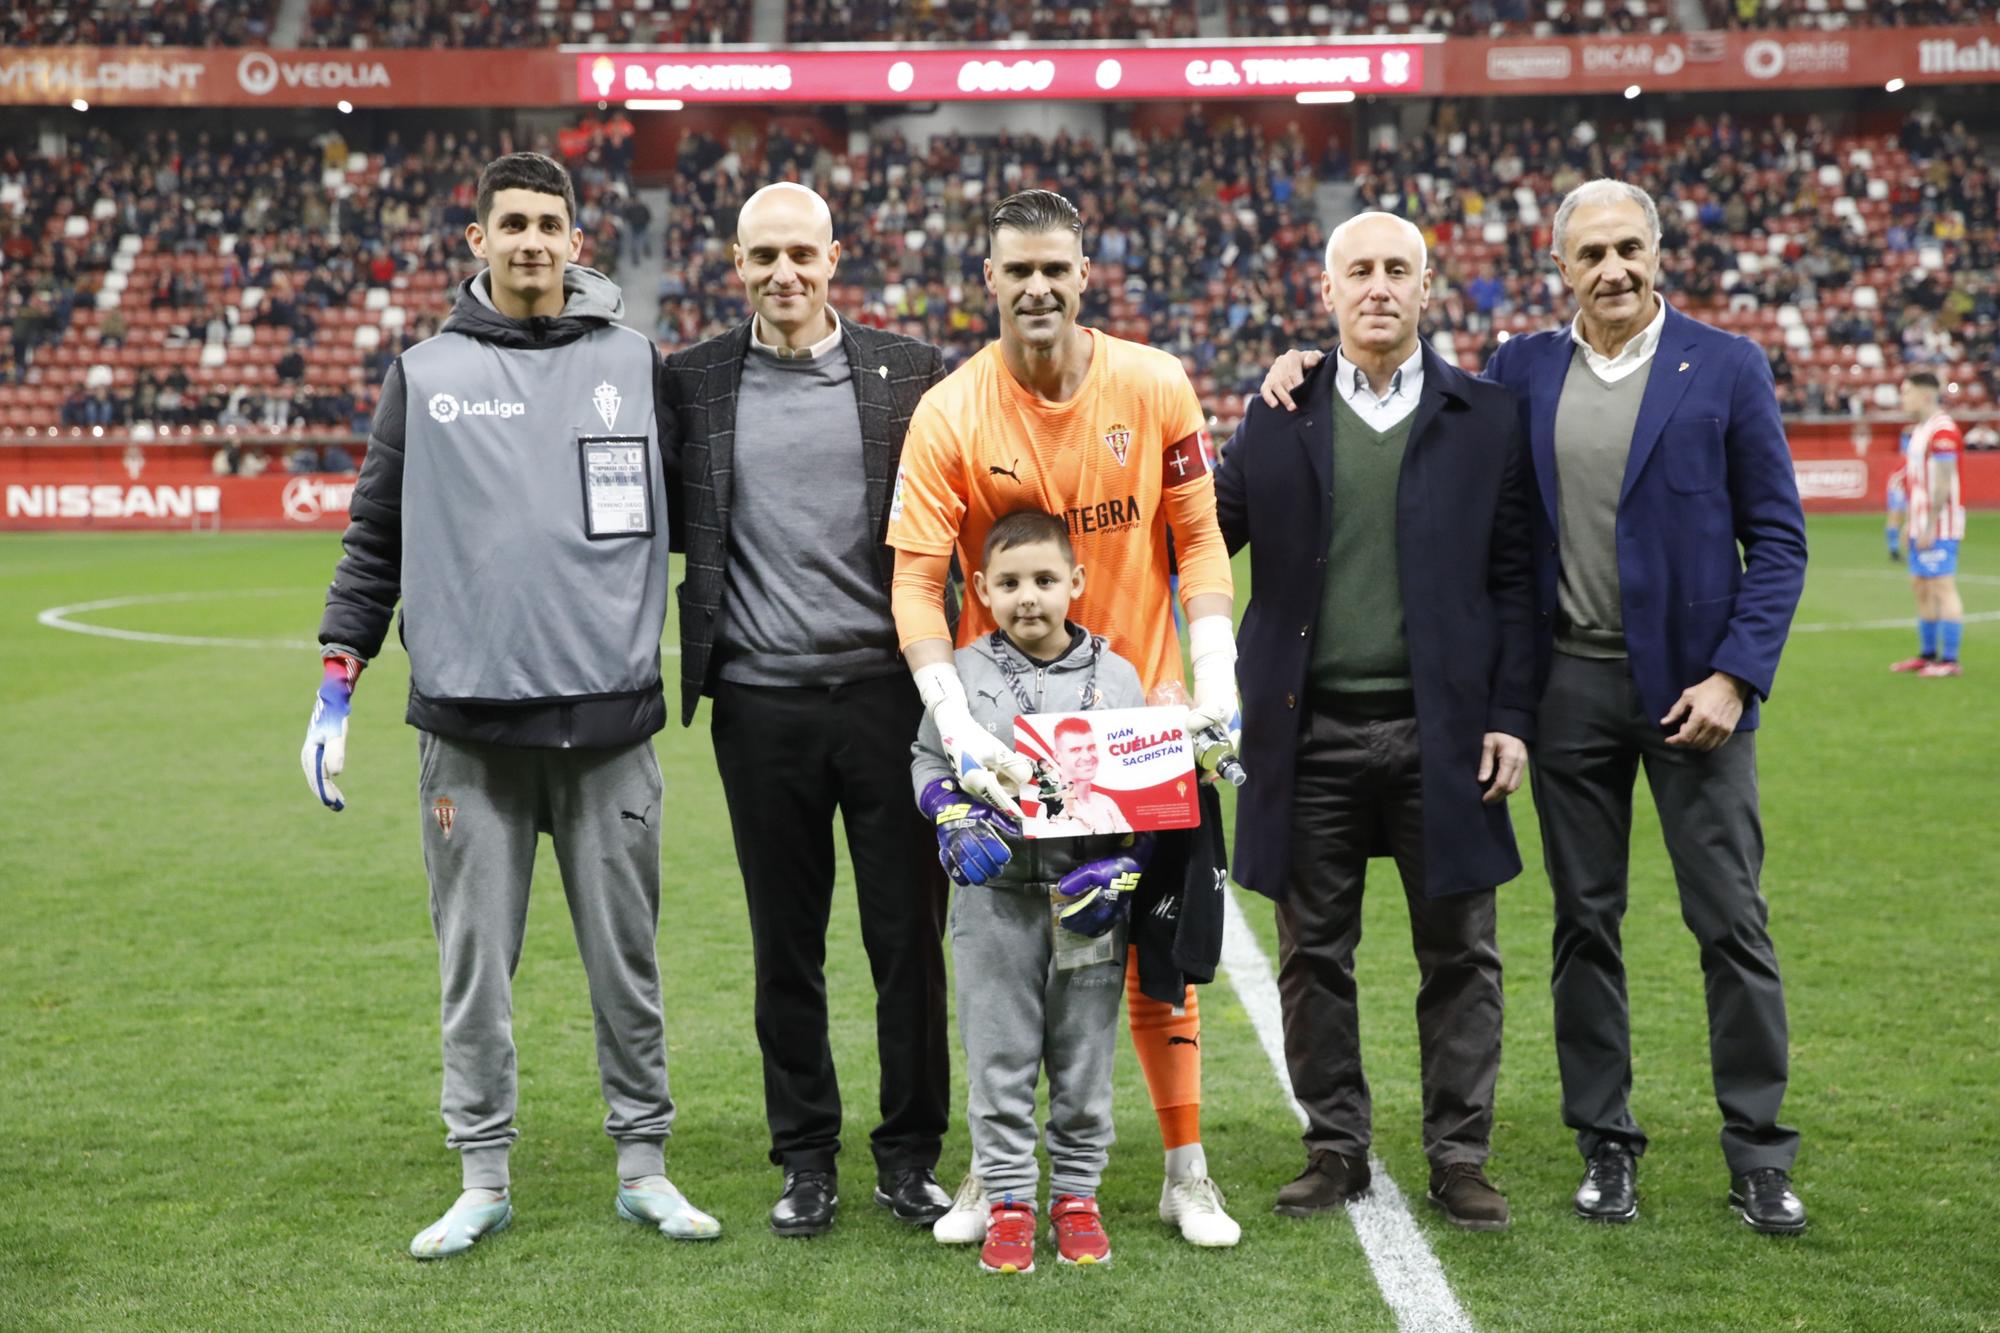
(325, 751)
(969, 847)
(1093, 898)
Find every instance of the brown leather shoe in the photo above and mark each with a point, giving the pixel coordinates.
(1329, 1180)
(1467, 1198)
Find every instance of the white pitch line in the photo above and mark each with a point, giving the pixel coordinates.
(1834, 626)
(1406, 1270)
(58, 617)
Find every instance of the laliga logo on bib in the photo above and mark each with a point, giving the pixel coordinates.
(446, 408)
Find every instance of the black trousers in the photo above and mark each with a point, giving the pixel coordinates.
(1592, 737)
(1358, 790)
(789, 759)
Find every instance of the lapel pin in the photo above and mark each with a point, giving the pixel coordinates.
(883, 371)
(1684, 365)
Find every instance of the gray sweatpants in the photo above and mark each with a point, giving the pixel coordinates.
(1017, 1011)
(483, 807)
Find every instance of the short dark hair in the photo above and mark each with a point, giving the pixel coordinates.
(1035, 211)
(524, 171)
(1923, 379)
(1025, 527)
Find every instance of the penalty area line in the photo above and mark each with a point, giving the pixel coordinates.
(1405, 1268)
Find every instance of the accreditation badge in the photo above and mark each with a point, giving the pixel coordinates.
(617, 485)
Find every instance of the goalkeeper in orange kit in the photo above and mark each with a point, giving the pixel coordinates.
(1107, 435)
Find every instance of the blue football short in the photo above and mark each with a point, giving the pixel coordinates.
(1939, 560)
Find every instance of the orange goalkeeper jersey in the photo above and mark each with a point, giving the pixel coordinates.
(1122, 463)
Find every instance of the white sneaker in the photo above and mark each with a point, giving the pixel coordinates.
(965, 1224)
(1194, 1204)
(655, 1202)
(477, 1213)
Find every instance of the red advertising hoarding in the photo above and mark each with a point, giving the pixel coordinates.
(1060, 73)
(115, 485)
(67, 487)
(185, 76)
(1721, 61)
(1676, 62)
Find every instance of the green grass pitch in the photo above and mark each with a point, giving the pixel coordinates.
(219, 1052)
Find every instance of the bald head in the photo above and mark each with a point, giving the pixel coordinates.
(1376, 232)
(1375, 286)
(786, 255)
(785, 205)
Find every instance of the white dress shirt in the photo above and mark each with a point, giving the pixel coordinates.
(812, 353)
(1381, 413)
(1633, 355)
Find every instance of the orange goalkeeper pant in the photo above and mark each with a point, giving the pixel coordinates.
(1169, 1049)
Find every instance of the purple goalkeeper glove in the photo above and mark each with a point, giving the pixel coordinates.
(1097, 895)
(969, 847)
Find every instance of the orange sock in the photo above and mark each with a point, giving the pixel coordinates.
(1169, 1050)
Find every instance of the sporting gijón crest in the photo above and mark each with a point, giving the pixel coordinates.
(446, 814)
(1119, 440)
(606, 399)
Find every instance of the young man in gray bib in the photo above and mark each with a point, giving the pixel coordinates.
(513, 500)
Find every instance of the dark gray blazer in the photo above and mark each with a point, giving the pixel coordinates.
(697, 397)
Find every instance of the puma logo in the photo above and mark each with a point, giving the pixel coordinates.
(990, 695)
(1183, 1041)
(641, 819)
(993, 471)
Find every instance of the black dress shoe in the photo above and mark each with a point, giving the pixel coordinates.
(1610, 1188)
(913, 1195)
(807, 1206)
(1765, 1200)
(1329, 1180)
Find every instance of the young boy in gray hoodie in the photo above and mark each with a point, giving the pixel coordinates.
(1037, 928)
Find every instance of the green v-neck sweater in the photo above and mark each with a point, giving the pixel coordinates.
(1359, 647)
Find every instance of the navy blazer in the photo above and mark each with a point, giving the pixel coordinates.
(1711, 535)
(1462, 501)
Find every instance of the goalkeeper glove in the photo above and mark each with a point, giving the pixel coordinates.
(325, 750)
(1097, 895)
(1212, 653)
(969, 848)
(987, 770)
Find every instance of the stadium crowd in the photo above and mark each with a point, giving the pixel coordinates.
(1848, 258)
(139, 23)
(1570, 18)
(982, 21)
(512, 23)
(1204, 242)
(506, 23)
(245, 294)
(267, 283)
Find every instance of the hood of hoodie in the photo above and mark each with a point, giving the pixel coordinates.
(591, 301)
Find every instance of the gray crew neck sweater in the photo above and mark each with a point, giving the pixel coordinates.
(802, 603)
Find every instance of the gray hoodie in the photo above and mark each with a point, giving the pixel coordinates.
(1088, 676)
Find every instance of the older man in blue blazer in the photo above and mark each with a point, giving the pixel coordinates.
(1669, 556)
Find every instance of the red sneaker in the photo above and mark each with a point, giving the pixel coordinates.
(1079, 1229)
(1933, 670)
(1909, 664)
(1010, 1238)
